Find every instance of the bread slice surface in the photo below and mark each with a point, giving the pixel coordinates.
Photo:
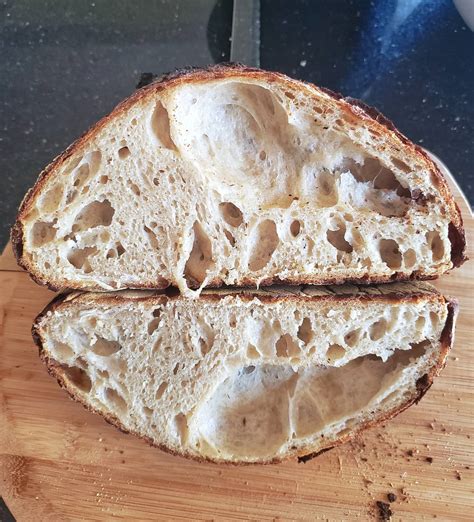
(253, 376)
(237, 176)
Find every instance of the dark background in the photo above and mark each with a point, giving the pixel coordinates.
(65, 63)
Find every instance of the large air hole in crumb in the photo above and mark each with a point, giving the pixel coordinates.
(253, 415)
(231, 214)
(337, 239)
(378, 329)
(286, 347)
(334, 353)
(305, 331)
(63, 350)
(97, 213)
(181, 425)
(389, 197)
(87, 169)
(105, 347)
(78, 377)
(390, 253)
(79, 258)
(160, 126)
(200, 260)
(161, 390)
(436, 245)
(51, 199)
(265, 243)
(42, 233)
(117, 402)
(373, 171)
(401, 165)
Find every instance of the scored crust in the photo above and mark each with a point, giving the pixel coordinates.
(425, 292)
(354, 109)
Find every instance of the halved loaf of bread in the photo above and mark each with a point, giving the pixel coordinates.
(252, 376)
(238, 176)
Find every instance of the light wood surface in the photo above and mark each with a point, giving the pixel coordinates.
(59, 462)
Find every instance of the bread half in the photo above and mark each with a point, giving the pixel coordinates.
(238, 176)
(252, 376)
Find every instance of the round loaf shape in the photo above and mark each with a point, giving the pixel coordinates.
(237, 176)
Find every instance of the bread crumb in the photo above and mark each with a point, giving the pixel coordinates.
(385, 513)
(391, 497)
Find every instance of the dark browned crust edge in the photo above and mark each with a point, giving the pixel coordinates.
(422, 385)
(456, 236)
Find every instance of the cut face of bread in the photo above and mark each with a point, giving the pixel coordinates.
(250, 377)
(238, 176)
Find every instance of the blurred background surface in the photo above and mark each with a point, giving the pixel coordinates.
(66, 63)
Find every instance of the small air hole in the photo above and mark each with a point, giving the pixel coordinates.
(378, 330)
(104, 347)
(231, 214)
(120, 249)
(335, 352)
(295, 228)
(436, 245)
(409, 258)
(351, 338)
(286, 347)
(161, 390)
(337, 239)
(252, 352)
(147, 411)
(305, 331)
(390, 253)
(78, 377)
(118, 402)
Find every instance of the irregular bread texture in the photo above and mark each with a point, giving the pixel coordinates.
(238, 176)
(249, 377)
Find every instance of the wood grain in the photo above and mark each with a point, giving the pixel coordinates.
(59, 462)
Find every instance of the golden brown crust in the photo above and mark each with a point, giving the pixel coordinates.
(352, 107)
(422, 385)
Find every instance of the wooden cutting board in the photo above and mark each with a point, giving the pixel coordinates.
(59, 462)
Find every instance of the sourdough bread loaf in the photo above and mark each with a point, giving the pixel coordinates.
(250, 376)
(237, 176)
